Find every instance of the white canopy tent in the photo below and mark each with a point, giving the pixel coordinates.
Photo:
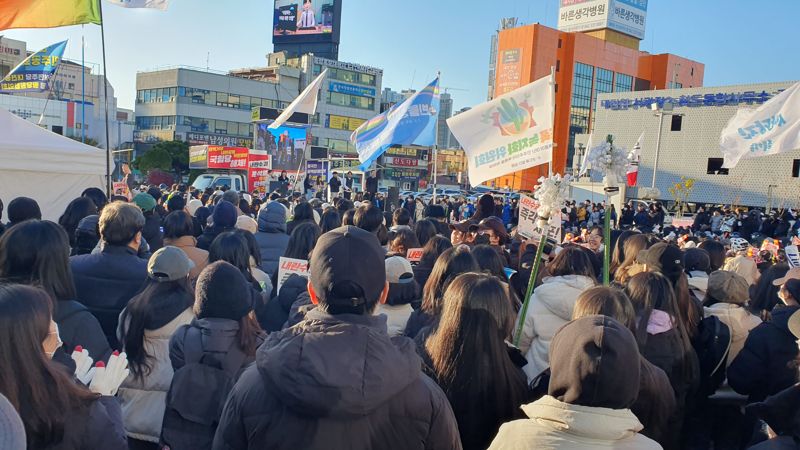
(47, 167)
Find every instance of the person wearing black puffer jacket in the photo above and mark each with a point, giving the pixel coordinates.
(765, 366)
(337, 380)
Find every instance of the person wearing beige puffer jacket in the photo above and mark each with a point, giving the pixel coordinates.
(551, 306)
(726, 297)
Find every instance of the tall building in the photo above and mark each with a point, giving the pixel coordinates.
(600, 56)
(445, 111)
(453, 142)
(202, 107)
(505, 24)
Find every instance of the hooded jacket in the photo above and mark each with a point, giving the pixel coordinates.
(98, 427)
(336, 382)
(739, 322)
(271, 236)
(77, 326)
(550, 308)
(765, 366)
(276, 312)
(594, 381)
(144, 399)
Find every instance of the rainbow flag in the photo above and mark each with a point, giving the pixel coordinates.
(48, 13)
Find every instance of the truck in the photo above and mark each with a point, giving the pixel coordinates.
(238, 168)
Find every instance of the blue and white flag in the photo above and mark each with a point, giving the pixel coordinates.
(412, 122)
(35, 72)
(772, 128)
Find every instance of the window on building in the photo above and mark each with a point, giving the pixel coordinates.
(796, 168)
(58, 129)
(623, 83)
(71, 86)
(715, 167)
(352, 101)
(558, 65)
(559, 43)
(603, 84)
(677, 123)
(581, 103)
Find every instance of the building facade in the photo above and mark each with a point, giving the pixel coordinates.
(586, 65)
(445, 112)
(75, 106)
(689, 144)
(202, 107)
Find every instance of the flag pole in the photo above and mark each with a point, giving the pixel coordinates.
(553, 108)
(49, 94)
(83, 86)
(436, 142)
(105, 99)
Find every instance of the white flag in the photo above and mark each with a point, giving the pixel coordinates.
(510, 133)
(306, 102)
(632, 172)
(771, 129)
(154, 4)
(585, 161)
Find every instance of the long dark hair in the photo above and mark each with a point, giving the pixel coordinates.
(252, 245)
(618, 255)
(36, 252)
(302, 241)
(425, 230)
(572, 261)
(432, 249)
(39, 389)
(232, 248)
(651, 290)
(303, 211)
(470, 357)
(764, 296)
(330, 220)
(156, 296)
(452, 263)
(76, 210)
(178, 224)
(489, 261)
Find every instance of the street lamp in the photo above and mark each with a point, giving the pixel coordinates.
(666, 110)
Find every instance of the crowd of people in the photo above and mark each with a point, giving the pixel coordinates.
(164, 321)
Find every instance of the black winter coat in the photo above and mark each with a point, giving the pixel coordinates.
(99, 427)
(106, 281)
(419, 320)
(77, 326)
(277, 310)
(336, 382)
(152, 231)
(208, 236)
(766, 365)
(782, 414)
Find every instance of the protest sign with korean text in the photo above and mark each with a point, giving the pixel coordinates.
(289, 266)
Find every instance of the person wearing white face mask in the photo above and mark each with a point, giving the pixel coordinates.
(56, 411)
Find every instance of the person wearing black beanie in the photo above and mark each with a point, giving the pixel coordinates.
(223, 218)
(223, 335)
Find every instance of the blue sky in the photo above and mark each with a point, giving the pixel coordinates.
(739, 41)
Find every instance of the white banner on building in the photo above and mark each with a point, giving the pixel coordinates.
(153, 4)
(510, 133)
(772, 128)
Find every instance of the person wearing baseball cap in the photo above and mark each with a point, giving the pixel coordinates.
(727, 296)
(146, 325)
(152, 221)
(403, 291)
(335, 379)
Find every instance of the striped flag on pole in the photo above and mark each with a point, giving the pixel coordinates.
(633, 162)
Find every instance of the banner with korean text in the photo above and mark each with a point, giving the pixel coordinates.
(35, 72)
(772, 128)
(510, 133)
(528, 217)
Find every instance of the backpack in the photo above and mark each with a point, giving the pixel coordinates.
(712, 345)
(197, 394)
